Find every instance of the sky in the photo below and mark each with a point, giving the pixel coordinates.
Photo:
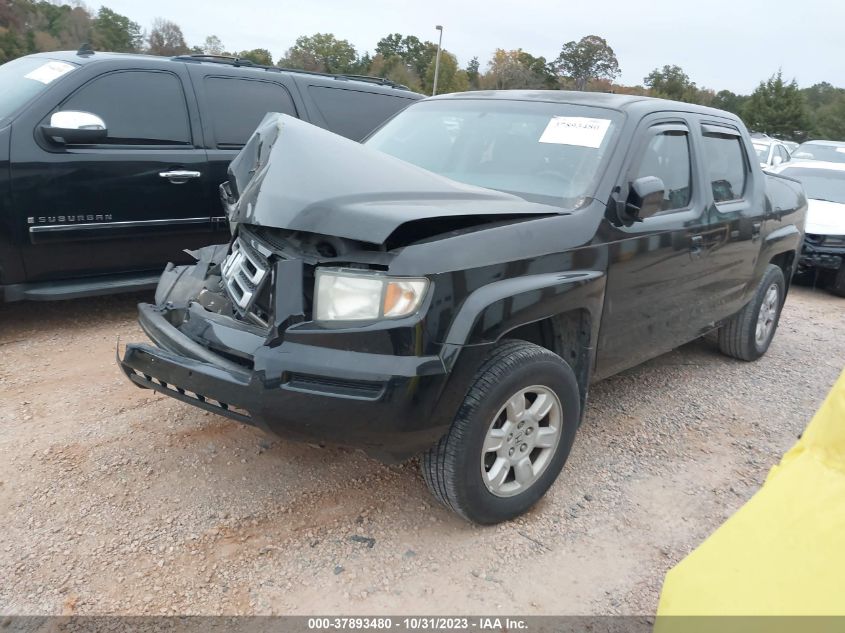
(720, 44)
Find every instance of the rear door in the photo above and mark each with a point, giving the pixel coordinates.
(233, 102)
(736, 212)
(131, 203)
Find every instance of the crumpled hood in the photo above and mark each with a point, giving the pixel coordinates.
(825, 218)
(297, 176)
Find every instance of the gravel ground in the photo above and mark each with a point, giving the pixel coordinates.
(121, 501)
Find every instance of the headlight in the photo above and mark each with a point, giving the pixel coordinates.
(348, 295)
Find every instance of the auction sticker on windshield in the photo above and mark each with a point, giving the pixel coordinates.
(49, 72)
(575, 130)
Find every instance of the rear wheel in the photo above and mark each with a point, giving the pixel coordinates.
(510, 438)
(748, 334)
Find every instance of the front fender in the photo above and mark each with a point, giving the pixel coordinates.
(497, 308)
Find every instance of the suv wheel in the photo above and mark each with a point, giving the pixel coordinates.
(749, 332)
(510, 438)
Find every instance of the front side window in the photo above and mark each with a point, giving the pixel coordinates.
(667, 157)
(724, 156)
(237, 106)
(762, 153)
(138, 107)
(543, 152)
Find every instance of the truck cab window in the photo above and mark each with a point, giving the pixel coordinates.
(726, 166)
(667, 157)
(138, 107)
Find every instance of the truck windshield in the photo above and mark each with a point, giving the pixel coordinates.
(820, 184)
(22, 79)
(543, 152)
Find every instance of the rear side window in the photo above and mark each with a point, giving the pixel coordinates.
(138, 107)
(237, 106)
(667, 157)
(352, 113)
(725, 158)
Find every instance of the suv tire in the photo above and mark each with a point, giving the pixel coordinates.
(748, 334)
(524, 404)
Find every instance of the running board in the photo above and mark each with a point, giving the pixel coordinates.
(80, 288)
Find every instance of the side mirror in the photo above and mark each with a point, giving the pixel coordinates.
(72, 126)
(777, 160)
(645, 198)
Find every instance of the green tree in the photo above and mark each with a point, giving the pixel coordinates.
(829, 119)
(413, 51)
(322, 52)
(671, 82)
(473, 74)
(511, 70)
(257, 56)
(777, 108)
(727, 100)
(589, 58)
(395, 69)
(212, 45)
(451, 77)
(111, 31)
(166, 39)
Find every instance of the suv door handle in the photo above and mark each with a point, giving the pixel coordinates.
(179, 176)
(755, 230)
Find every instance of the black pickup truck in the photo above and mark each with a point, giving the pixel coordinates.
(110, 163)
(454, 284)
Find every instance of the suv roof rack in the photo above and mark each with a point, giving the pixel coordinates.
(232, 60)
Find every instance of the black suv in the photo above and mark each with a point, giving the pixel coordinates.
(454, 284)
(110, 164)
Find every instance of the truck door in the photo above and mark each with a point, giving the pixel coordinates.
(130, 203)
(654, 281)
(736, 213)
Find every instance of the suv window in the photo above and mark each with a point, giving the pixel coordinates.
(237, 106)
(726, 166)
(139, 107)
(352, 113)
(667, 156)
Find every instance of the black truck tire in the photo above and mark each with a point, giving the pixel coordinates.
(748, 334)
(837, 285)
(505, 405)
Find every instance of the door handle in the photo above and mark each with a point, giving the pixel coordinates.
(696, 242)
(755, 230)
(179, 176)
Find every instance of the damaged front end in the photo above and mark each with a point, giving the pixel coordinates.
(237, 333)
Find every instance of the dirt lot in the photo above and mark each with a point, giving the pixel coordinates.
(118, 500)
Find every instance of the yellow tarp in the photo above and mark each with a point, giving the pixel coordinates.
(783, 552)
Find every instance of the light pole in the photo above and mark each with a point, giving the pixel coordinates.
(437, 60)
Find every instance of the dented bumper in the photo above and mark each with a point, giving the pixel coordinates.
(385, 404)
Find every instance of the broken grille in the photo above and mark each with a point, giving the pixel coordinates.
(244, 271)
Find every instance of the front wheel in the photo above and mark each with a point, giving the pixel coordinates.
(510, 438)
(748, 334)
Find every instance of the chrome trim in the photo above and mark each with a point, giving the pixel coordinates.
(92, 226)
(243, 272)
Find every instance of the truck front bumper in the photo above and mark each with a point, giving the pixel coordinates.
(822, 255)
(390, 406)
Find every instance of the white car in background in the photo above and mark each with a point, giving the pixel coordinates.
(831, 151)
(824, 237)
(770, 151)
